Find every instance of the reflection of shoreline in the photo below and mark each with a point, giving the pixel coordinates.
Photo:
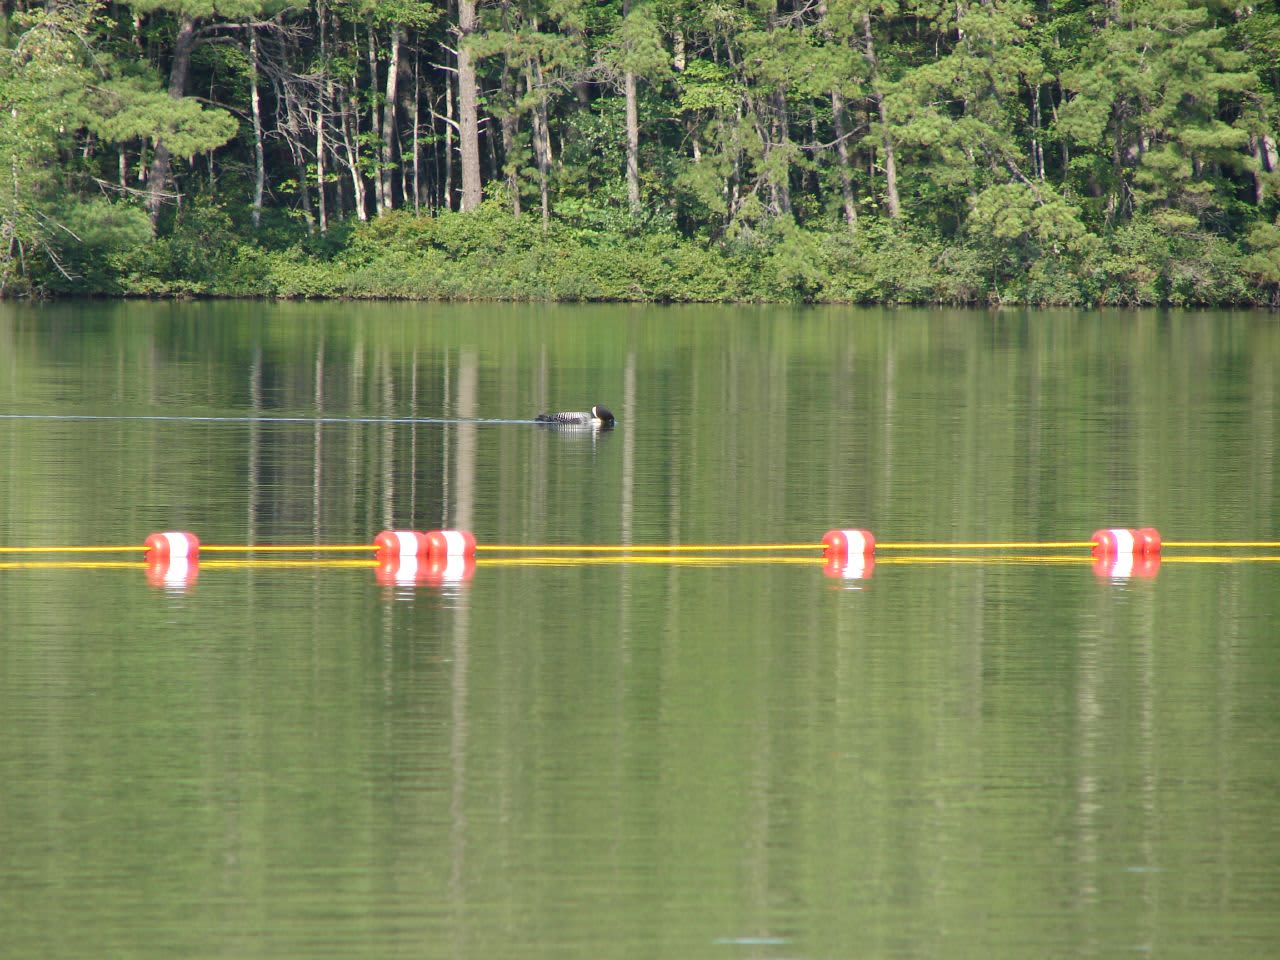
(463, 510)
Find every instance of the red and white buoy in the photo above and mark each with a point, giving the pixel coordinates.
(1148, 541)
(1120, 553)
(443, 544)
(1114, 542)
(433, 544)
(1119, 542)
(172, 546)
(844, 544)
(851, 554)
(401, 543)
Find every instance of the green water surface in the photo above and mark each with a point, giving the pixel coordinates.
(728, 760)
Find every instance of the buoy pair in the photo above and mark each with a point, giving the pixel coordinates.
(435, 544)
(408, 557)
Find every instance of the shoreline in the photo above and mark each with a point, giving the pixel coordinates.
(492, 256)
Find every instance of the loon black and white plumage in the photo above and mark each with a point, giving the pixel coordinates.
(597, 416)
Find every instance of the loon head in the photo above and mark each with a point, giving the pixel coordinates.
(603, 414)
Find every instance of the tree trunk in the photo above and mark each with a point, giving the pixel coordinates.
(541, 140)
(350, 143)
(1037, 151)
(842, 155)
(179, 70)
(1265, 154)
(448, 143)
(1066, 153)
(493, 170)
(375, 123)
(389, 122)
(886, 139)
(777, 127)
(510, 127)
(322, 104)
(291, 126)
(633, 145)
(509, 121)
(322, 206)
(417, 159)
(259, 166)
(633, 132)
(468, 115)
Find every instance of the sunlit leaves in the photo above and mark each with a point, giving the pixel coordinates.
(705, 85)
(41, 85)
(1158, 82)
(1034, 216)
(639, 47)
(1264, 257)
(130, 108)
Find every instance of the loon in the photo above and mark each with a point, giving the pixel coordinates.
(597, 416)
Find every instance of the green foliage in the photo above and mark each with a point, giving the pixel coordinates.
(201, 255)
(1154, 82)
(100, 235)
(131, 108)
(1058, 152)
(705, 85)
(42, 81)
(1019, 225)
(228, 9)
(640, 48)
(1263, 261)
(1154, 261)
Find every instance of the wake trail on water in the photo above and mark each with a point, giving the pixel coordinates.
(173, 418)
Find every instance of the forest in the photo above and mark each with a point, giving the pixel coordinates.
(845, 151)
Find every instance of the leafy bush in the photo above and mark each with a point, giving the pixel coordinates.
(1021, 252)
(95, 234)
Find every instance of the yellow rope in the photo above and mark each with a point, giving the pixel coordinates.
(642, 547)
(1224, 544)
(287, 564)
(908, 561)
(668, 561)
(1010, 545)
(72, 565)
(571, 561)
(138, 549)
(1207, 559)
(195, 564)
(289, 548)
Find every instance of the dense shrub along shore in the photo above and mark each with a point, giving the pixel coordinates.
(491, 255)
(1068, 152)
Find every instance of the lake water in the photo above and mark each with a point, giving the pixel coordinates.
(965, 754)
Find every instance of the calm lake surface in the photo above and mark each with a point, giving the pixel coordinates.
(718, 760)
